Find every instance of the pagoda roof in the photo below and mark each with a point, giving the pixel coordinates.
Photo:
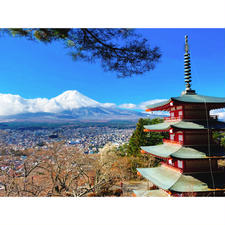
(194, 125)
(151, 193)
(164, 150)
(188, 98)
(194, 98)
(181, 152)
(159, 104)
(170, 179)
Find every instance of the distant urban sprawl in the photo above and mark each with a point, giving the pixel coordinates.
(87, 139)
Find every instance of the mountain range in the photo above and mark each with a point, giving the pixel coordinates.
(69, 106)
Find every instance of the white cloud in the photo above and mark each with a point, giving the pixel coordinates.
(142, 105)
(108, 105)
(11, 104)
(219, 112)
(221, 115)
(128, 106)
(72, 99)
(15, 104)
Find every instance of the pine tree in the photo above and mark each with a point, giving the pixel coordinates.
(136, 139)
(122, 51)
(140, 138)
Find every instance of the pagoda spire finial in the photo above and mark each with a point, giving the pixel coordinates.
(187, 69)
(186, 44)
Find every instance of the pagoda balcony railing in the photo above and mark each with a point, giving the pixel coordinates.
(168, 141)
(173, 118)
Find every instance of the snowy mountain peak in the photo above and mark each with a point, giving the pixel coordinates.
(68, 100)
(73, 99)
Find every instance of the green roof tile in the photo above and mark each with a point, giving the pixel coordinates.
(181, 152)
(187, 183)
(160, 126)
(158, 104)
(163, 150)
(160, 176)
(199, 152)
(189, 153)
(169, 179)
(194, 98)
(150, 193)
(197, 125)
(191, 98)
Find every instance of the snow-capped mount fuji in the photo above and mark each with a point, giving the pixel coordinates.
(73, 99)
(70, 105)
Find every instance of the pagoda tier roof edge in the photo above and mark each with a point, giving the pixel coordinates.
(182, 125)
(151, 193)
(169, 179)
(216, 102)
(184, 152)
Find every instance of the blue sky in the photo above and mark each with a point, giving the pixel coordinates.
(33, 69)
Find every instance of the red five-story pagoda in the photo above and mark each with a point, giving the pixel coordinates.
(189, 158)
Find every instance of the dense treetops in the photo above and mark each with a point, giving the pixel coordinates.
(140, 138)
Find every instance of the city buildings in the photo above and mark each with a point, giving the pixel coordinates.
(15, 144)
